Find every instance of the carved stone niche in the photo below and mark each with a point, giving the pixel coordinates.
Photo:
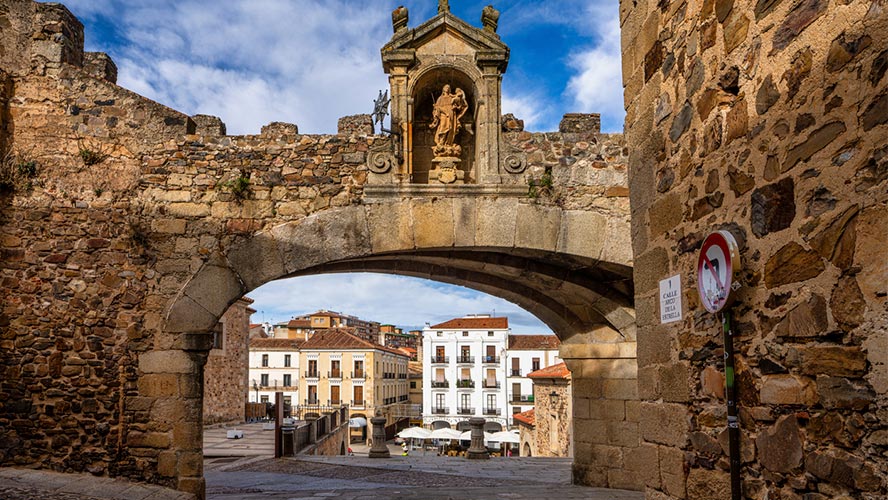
(446, 53)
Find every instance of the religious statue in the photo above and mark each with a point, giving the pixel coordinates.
(447, 114)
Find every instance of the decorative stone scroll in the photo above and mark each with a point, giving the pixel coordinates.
(515, 163)
(380, 162)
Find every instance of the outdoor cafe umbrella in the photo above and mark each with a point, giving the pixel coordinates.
(414, 433)
(467, 436)
(445, 433)
(505, 437)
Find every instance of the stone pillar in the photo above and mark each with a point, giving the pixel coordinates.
(478, 450)
(379, 448)
(607, 451)
(171, 385)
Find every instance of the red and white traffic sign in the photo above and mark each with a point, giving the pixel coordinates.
(718, 262)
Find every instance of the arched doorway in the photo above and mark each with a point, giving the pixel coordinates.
(440, 424)
(580, 286)
(526, 451)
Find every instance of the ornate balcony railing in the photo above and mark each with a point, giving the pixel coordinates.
(465, 384)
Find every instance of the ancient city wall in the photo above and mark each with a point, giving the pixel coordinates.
(226, 372)
(768, 119)
(118, 201)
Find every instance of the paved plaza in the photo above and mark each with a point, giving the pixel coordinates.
(243, 469)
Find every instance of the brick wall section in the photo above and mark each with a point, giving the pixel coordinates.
(767, 119)
(226, 372)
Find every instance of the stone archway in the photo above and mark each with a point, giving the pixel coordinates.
(560, 265)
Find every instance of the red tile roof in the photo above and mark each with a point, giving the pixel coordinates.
(528, 417)
(533, 342)
(258, 343)
(555, 371)
(473, 324)
(343, 338)
(298, 323)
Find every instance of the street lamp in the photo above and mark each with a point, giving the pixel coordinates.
(256, 388)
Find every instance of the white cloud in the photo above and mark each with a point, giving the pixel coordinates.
(598, 85)
(407, 302)
(524, 107)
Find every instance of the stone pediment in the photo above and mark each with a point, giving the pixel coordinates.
(445, 34)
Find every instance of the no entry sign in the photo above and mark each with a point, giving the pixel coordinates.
(719, 260)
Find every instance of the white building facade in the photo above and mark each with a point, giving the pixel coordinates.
(526, 354)
(464, 372)
(274, 366)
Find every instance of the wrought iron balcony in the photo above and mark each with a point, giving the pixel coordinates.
(465, 359)
(440, 385)
(465, 384)
(357, 403)
(440, 411)
(522, 398)
(490, 385)
(466, 411)
(492, 411)
(357, 374)
(490, 360)
(311, 374)
(334, 374)
(440, 359)
(514, 373)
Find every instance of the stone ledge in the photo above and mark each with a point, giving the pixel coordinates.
(387, 192)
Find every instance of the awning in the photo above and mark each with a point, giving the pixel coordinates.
(505, 437)
(414, 433)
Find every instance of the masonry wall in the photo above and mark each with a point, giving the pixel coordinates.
(226, 373)
(767, 119)
(128, 201)
(553, 428)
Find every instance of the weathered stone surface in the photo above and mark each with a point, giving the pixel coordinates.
(833, 360)
(800, 17)
(792, 264)
(681, 122)
(664, 423)
(837, 240)
(842, 393)
(773, 207)
(876, 113)
(847, 303)
(843, 50)
(713, 484)
(735, 30)
(842, 468)
(787, 390)
(780, 446)
(767, 96)
(798, 71)
(808, 319)
(818, 140)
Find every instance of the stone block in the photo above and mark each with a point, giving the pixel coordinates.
(495, 222)
(649, 269)
(837, 361)
(623, 389)
(186, 315)
(257, 260)
(464, 217)
(623, 434)
(787, 390)
(643, 461)
(537, 227)
(299, 244)
(390, 227)
(215, 286)
(780, 446)
(582, 233)
(158, 385)
(841, 393)
(432, 223)
(168, 226)
(665, 423)
(345, 233)
(148, 439)
(591, 431)
(188, 209)
(792, 264)
(675, 382)
(703, 483)
(167, 464)
(166, 362)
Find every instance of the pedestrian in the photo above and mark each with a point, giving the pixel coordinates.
(350, 452)
(404, 449)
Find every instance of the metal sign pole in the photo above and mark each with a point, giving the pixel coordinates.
(731, 395)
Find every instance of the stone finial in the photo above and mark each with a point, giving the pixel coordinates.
(490, 18)
(443, 6)
(400, 16)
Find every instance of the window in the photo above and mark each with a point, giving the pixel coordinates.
(312, 395)
(536, 364)
(265, 360)
(219, 336)
(335, 371)
(439, 400)
(263, 399)
(465, 334)
(312, 368)
(263, 380)
(287, 360)
(288, 380)
(516, 410)
(413, 384)
(490, 334)
(288, 400)
(491, 401)
(465, 401)
(440, 334)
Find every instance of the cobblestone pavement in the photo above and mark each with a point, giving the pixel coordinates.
(26, 484)
(409, 478)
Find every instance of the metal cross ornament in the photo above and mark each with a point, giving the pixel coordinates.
(380, 108)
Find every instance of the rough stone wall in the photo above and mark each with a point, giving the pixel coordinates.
(331, 445)
(226, 372)
(768, 119)
(552, 433)
(127, 204)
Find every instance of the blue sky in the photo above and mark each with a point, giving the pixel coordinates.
(310, 62)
